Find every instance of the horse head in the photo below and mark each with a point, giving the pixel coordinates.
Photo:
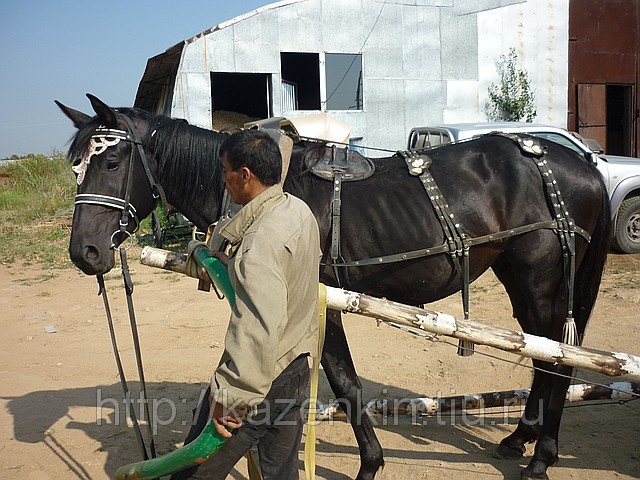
(115, 184)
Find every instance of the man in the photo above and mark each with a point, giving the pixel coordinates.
(262, 378)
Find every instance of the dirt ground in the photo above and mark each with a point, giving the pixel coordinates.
(62, 415)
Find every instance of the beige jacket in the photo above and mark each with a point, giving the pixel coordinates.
(273, 267)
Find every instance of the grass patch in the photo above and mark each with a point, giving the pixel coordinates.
(36, 212)
(36, 205)
(34, 188)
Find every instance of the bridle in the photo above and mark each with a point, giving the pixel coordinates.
(102, 139)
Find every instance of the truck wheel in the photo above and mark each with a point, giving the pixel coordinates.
(626, 238)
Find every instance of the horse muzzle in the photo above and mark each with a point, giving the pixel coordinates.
(91, 258)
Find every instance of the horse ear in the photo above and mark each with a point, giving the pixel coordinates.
(78, 118)
(107, 114)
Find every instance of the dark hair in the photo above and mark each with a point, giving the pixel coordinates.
(255, 150)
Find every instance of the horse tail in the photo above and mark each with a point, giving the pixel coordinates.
(589, 273)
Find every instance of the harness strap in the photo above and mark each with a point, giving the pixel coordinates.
(340, 271)
(128, 286)
(108, 201)
(123, 380)
(455, 238)
(470, 241)
(156, 189)
(127, 210)
(566, 234)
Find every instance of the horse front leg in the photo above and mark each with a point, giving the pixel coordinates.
(341, 373)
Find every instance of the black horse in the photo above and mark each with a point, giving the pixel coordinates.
(490, 184)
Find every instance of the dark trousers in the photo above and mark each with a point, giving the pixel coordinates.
(275, 430)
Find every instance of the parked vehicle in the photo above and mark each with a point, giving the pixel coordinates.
(621, 174)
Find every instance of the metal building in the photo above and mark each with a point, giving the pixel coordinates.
(381, 66)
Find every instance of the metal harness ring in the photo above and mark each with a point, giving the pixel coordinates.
(113, 244)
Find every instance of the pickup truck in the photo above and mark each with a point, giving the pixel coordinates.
(621, 174)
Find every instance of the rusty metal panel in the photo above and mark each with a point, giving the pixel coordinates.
(597, 133)
(592, 112)
(592, 102)
(604, 48)
(604, 25)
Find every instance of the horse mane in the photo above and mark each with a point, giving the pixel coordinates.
(186, 152)
(187, 155)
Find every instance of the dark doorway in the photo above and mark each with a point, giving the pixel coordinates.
(605, 113)
(619, 119)
(246, 93)
(301, 72)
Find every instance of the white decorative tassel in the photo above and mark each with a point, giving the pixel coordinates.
(465, 348)
(570, 332)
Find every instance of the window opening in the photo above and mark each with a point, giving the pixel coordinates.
(300, 81)
(244, 93)
(344, 81)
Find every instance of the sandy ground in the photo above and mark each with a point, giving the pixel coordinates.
(62, 415)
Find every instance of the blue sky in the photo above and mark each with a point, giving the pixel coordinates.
(63, 49)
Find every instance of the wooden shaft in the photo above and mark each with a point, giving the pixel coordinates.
(522, 344)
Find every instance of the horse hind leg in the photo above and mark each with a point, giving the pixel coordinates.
(537, 295)
(555, 384)
(528, 429)
(340, 371)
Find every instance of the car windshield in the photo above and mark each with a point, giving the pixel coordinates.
(562, 140)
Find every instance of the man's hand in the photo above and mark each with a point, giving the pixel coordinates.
(223, 257)
(221, 418)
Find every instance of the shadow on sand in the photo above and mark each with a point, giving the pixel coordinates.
(172, 404)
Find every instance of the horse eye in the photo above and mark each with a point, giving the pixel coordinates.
(111, 166)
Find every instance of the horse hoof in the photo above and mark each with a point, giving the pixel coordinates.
(508, 453)
(524, 475)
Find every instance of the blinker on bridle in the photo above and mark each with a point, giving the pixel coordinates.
(101, 140)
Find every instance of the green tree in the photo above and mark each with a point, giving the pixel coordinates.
(512, 99)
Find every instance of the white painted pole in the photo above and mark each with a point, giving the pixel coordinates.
(522, 344)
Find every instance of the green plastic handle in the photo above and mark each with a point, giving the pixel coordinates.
(200, 450)
(209, 441)
(217, 272)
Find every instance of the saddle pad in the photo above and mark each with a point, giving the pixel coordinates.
(351, 164)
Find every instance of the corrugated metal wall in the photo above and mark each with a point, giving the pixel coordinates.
(423, 61)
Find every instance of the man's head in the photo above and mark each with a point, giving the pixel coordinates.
(252, 163)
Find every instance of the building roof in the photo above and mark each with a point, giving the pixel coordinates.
(160, 73)
(244, 16)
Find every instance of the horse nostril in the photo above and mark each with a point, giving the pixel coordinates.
(91, 253)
